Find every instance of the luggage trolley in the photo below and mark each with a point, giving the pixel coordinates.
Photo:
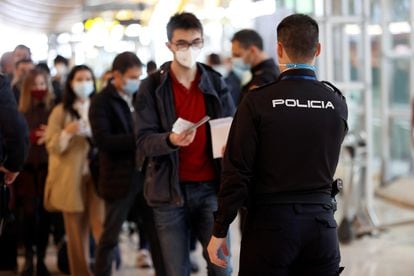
(357, 218)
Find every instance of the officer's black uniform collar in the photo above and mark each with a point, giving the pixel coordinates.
(298, 73)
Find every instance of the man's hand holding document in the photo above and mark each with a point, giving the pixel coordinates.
(182, 125)
(183, 132)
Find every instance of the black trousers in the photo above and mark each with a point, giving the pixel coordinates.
(290, 239)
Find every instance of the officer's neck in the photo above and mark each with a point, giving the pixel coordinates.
(290, 64)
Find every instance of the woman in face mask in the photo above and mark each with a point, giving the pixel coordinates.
(69, 186)
(35, 103)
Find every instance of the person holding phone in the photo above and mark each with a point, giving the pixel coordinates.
(181, 176)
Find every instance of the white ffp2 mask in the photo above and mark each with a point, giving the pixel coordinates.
(187, 57)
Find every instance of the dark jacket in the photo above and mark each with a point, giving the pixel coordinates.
(31, 181)
(112, 126)
(263, 73)
(155, 116)
(14, 134)
(283, 145)
(36, 116)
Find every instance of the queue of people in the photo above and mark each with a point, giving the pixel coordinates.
(95, 156)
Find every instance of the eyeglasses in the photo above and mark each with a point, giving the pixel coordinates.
(184, 45)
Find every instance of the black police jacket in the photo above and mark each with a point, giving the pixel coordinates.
(14, 133)
(283, 145)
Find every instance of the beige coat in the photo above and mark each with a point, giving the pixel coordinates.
(64, 190)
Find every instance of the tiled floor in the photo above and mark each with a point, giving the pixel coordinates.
(388, 253)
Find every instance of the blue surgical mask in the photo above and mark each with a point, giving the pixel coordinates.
(83, 89)
(131, 86)
(239, 64)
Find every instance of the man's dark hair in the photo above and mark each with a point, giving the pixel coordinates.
(26, 60)
(248, 38)
(60, 59)
(23, 47)
(299, 35)
(213, 59)
(186, 21)
(124, 61)
(151, 66)
(44, 67)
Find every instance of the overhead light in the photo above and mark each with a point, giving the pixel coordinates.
(354, 29)
(124, 15)
(77, 28)
(145, 36)
(133, 30)
(399, 27)
(63, 38)
(394, 28)
(242, 9)
(117, 32)
(374, 30)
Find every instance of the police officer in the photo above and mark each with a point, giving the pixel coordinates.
(282, 153)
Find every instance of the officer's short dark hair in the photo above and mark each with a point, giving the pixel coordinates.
(124, 61)
(61, 59)
(247, 38)
(184, 20)
(299, 35)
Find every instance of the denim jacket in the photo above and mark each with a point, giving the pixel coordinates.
(155, 111)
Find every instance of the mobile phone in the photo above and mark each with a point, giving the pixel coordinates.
(199, 123)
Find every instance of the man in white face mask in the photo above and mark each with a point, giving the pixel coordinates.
(181, 176)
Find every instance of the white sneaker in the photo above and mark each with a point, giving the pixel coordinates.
(144, 259)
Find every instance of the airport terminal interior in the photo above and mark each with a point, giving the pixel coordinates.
(367, 51)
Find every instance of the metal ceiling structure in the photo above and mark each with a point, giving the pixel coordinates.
(41, 15)
(54, 16)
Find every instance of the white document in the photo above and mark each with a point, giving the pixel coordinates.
(181, 125)
(220, 129)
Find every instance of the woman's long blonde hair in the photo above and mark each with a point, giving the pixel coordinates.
(25, 93)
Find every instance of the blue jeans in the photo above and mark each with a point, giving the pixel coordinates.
(173, 226)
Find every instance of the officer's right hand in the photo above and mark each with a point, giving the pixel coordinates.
(183, 139)
(213, 248)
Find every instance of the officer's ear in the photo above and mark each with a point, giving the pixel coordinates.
(279, 50)
(318, 49)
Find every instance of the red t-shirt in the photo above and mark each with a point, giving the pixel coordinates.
(196, 163)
